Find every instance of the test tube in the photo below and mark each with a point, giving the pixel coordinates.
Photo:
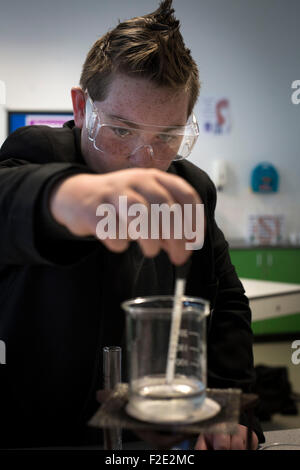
(112, 376)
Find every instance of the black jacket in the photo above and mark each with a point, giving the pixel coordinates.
(60, 295)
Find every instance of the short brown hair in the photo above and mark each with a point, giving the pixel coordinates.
(149, 46)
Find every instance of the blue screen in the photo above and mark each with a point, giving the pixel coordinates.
(54, 119)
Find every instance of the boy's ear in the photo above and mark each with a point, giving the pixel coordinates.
(78, 100)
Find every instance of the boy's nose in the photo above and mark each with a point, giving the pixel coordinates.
(143, 156)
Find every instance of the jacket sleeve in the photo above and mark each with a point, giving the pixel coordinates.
(230, 337)
(230, 334)
(25, 184)
(213, 277)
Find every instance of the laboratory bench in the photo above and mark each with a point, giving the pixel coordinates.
(271, 278)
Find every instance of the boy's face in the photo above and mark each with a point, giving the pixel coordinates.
(139, 101)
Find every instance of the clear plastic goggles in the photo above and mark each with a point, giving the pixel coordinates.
(124, 138)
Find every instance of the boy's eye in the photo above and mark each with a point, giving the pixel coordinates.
(121, 131)
(166, 137)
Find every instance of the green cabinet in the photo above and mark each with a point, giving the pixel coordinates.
(269, 264)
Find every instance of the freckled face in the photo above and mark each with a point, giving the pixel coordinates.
(137, 100)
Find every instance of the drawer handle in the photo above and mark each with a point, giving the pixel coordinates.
(258, 259)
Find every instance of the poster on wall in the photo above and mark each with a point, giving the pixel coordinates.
(266, 229)
(214, 117)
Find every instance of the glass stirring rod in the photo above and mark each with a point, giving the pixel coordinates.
(181, 275)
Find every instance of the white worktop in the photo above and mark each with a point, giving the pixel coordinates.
(256, 288)
(271, 299)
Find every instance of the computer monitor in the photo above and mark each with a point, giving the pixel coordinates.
(28, 118)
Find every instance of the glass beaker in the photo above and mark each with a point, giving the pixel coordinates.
(151, 396)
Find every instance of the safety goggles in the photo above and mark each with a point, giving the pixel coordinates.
(122, 138)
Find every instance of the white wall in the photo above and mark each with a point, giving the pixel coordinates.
(247, 50)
